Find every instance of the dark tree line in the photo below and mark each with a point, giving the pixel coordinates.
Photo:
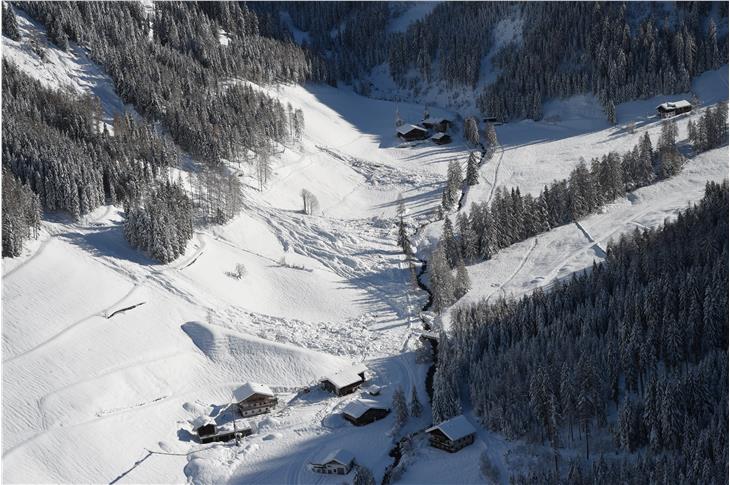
(644, 334)
(21, 214)
(174, 70)
(56, 144)
(512, 217)
(618, 51)
(711, 130)
(10, 23)
(578, 47)
(160, 222)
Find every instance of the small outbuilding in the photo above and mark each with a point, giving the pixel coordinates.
(254, 399)
(345, 381)
(436, 124)
(412, 132)
(361, 412)
(669, 109)
(441, 139)
(452, 435)
(342, 383)
(210, 432)
(338, 462)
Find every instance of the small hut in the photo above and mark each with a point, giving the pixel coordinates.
(342, 383)
(441, 139)
(361, 412)
(338, 462)
(211, 432)
(452, 435)
(412, 132)
(436, 124)
(667, 110)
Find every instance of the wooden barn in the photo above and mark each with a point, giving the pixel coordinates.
(441, 139)
(253, 399)
(345, 381)
(452, 435)
(412, 132)
(342, 383)
(338, 462)
(211, 432)
(362, 412)
(436, 124)
(667, 110)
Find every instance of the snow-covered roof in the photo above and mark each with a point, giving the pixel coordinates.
(357, 408)
(455, 428)
(343, 379)
(249, 389)
(407, 128)
(343, 457)
(201, 421)
(374, 389)
(675, 105)
(438, 136)
(359, 368)
(231, 426)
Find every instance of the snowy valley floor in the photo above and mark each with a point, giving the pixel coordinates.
(95, 394)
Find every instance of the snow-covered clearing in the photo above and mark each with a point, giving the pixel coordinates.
(93, 386)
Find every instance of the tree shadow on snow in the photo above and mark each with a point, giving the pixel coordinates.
(107, 242)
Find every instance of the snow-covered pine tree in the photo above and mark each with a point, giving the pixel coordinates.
(416, 407)
(472, 170)
(10, 23)
(446, 401)
(400, 410)
(471, 130)
(442, 281)
(462, 283)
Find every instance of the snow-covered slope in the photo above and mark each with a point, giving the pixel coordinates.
(108, 356)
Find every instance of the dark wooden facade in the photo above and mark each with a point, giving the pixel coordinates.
(439, 440)
(369, 416)
(412, 133)
(441, 139)
(343, 391)
(208, 434)
(667, 110)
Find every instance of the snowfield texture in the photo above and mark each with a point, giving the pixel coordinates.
(109, 357)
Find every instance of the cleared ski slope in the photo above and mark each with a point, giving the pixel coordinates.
(87, 398)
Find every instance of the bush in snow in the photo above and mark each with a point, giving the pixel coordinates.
(239, 272)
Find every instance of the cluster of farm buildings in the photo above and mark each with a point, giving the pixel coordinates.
(253, 399)
(436, 128)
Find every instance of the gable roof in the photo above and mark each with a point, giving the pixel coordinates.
(343, 457)
(407, 128)
(343, 378)
(440, 135)
(675, 105)
(249, 389)
(201, 421)
(235, 425)
(358, 367)
(454, 428)
(358, 407)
